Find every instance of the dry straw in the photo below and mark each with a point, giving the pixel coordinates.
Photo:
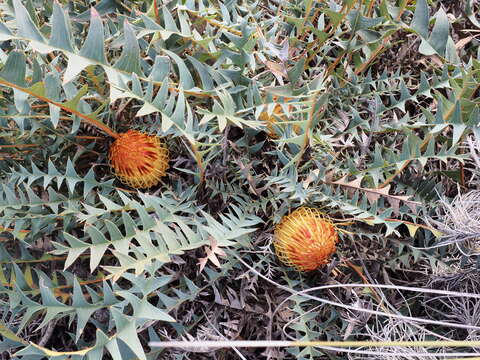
(385, 347)
(459, 221)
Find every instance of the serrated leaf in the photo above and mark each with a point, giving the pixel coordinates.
(98, 247)
(421, 18)
(440, 33)
(15, 69)
(93, 47)
(186, 80)
(127, 332)
(26, 26)
(61, 37)
(129, 61)
(142, 309)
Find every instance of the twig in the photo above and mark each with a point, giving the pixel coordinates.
(251, 181)
(48, 333)
(474, 147)
(324, 344)
(225, 145)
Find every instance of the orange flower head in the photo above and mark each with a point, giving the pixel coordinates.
(138, 160)
(277, 113)
(305, 239)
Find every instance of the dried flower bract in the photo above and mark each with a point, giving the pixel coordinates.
(138, 160)
(305, 239)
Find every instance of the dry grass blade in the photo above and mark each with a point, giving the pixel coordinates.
(459, 221)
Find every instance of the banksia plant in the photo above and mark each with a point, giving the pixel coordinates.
(378, 138)
(138, 160)
(305, 239)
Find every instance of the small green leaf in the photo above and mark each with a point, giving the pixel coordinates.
(170, 24)
(98, 248)
(471, 13)
(25, 24)
(421, 19)
(15, 68)
(77, 247)
(127, 332)
(186, 80)
(142, 309)
(71, 177)
(202, 70)
(94, 47)
(53, 87)
(295, 73)
(61, 37)
(129, 61)
(160, 69)
(440, 33)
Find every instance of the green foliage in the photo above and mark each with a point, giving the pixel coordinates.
(370, 138)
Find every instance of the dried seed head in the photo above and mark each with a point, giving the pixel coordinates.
(138, 160)
(305, 239)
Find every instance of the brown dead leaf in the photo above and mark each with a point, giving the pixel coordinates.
(344, 119)
(436, 59)
(462, 42)
(212, 253)
(351, 186)
(277, 69)
(312, 176)
(329, 176)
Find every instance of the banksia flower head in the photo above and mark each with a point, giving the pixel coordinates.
(137, 159)
(271, 119)
(305, 239)
(277, 113)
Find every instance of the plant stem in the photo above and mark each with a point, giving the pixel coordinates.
(198, 158)
(84, 117)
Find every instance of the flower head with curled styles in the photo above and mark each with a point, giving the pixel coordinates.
(305, 239)
(137, 159)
